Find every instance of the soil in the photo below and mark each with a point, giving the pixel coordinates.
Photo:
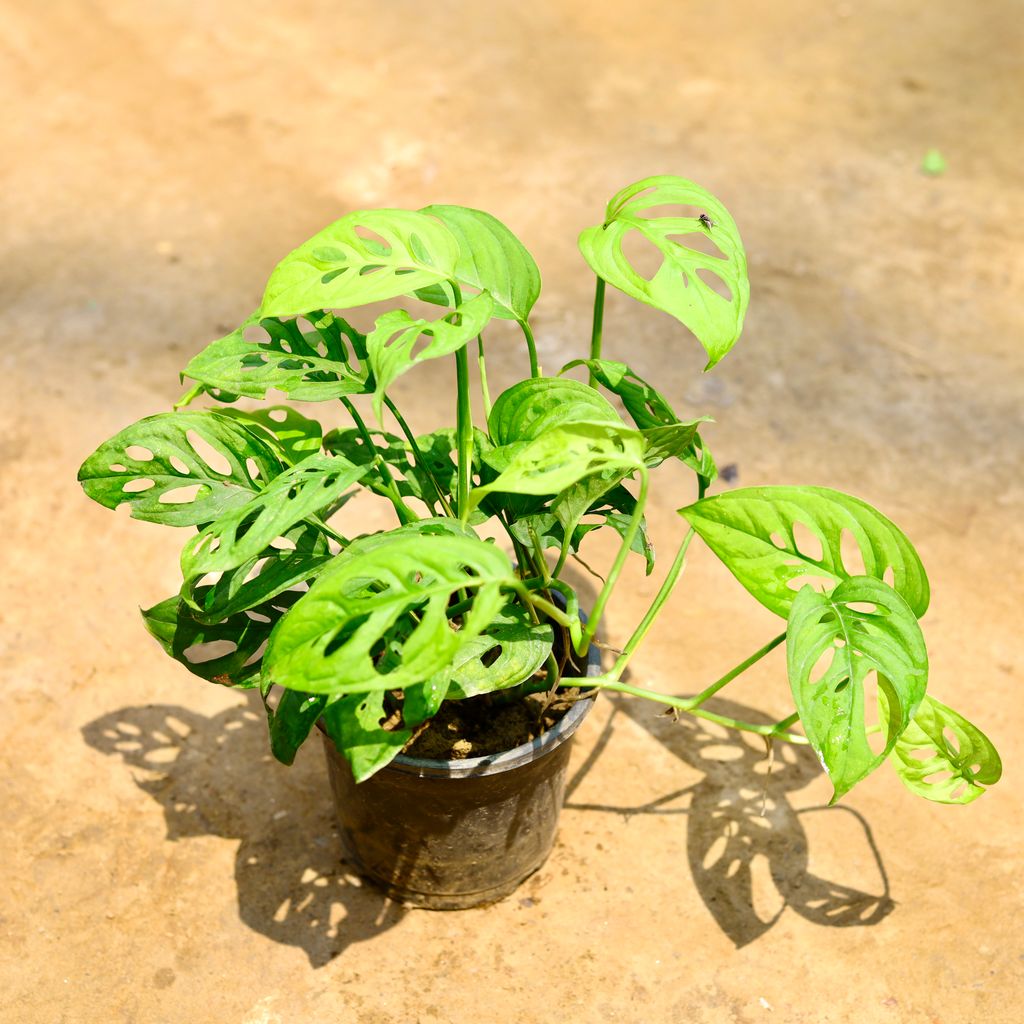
(158, 159)
(476, 727)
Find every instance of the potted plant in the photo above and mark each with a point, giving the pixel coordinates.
(411, 647)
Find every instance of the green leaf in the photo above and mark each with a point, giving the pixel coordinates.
(169, 476)
(562, 456)
(290, 722)
(667, 435)
(244, 533)
(330, 641)
(947, 770)
(294, 434)
(308, 366)
(752, 531)
(368, 256)
(192, 642)
(492, 259)
(262, 576)
(355, 724)
(505, 654)
(863, 625)
(396, 334)
(677, 287)
(532, 407)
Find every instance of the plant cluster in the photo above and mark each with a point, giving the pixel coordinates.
(370, 634)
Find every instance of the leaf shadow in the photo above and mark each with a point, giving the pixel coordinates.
(747, 846)
(212, 776)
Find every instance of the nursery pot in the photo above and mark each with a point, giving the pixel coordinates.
(455, 834)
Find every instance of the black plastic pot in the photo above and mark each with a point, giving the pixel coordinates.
(455, 834)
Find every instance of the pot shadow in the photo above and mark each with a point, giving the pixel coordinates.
(213, 776)
(740, 821)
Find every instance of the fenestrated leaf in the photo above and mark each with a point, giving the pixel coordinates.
(355, 724)
(667, 435)
(390, 344)
(176, 485)
(308, 366)
(532, 407)
(294, 434)
(677, 287)
(290, 722)
(563, 456)
(261, 577)
(368, 256)
(752, 531)
(245, 532)
(883, 637)
(330, 641)
(492, 259)
(505, 654)
(192, 642)
(947, 771)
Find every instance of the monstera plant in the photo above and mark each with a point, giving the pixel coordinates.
(371, 635)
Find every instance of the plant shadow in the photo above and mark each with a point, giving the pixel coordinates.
(740, 822)
(213, 776)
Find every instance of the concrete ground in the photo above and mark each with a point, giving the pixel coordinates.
(159, 158)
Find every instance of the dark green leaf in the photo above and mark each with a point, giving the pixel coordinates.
(492, 259)
(309, 366)
(677, 287)
(355, 724)
(863, 625)
(947, 770)
(291, 721)
(752, 531)
(167, 479)
(368, 256)
(330, 641)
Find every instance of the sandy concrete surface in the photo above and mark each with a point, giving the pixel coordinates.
(158, 158)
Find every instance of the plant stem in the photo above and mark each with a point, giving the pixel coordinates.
(482, 367)
(531, 347)
(616, 569)
(596, 328)
(418, 455)
(404, 513)
(729, 676)
(668, 585)
(463, 420)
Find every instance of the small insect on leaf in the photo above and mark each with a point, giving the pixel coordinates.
(706, 222)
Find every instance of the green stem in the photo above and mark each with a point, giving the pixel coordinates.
(620, 560)
(531, 347)
(482, 367)
(404, 513)
(418, 455)
(596, 328)
(729, 676)
(463, 421)
(668, 585)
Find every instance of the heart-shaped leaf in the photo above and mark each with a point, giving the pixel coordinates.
(667, 435)
(180, 468)
(355, 723)
(332, 639)
(562, 456)
(395, 335)
(752, 531)
(532, 407)
(863, 625)
(677, 287)
(245, 532)
(505, 654)
(943, 757)
(492, 259)
(308, 366)
(368, 256)
(226, 652)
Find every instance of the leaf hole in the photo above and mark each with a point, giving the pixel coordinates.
(254, 334)
(807, 542)
(642, 254)
(256, 655)
(180, 465)
(699, 241)
(135, 486)
(344, 634)
(670, 211)
(851, 554)
(715, 282)
(277, 414)
(213, 458)
(877, 736)
(952, 740)
(889, 576)
(180, 495)
(199, 654)
(959, 791)
(252, 469)
(257, 568)
(137, 453)
(924, 754)
(257, 616)
(118, 468)
(378, 244)
(863, 607)
(283, 544)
